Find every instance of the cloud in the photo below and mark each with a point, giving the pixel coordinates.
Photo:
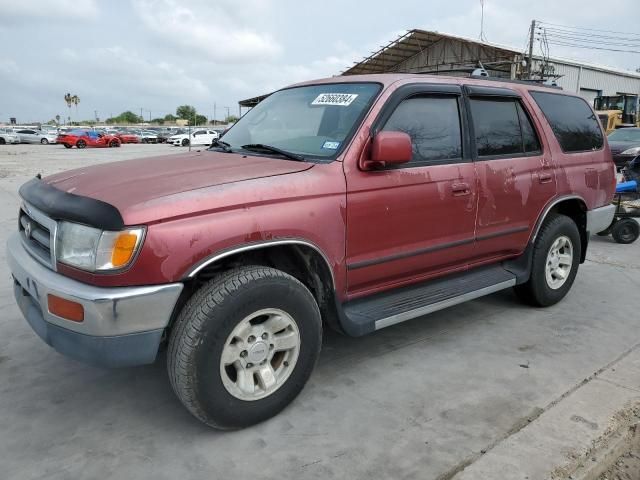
(214, 29)
(13, 10)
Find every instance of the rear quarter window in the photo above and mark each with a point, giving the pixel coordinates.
(574, 124)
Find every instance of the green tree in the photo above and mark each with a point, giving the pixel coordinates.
(125, 117)
(186, 112)
(158, 121)
(201, 120)
(170, 118)
(231, 119)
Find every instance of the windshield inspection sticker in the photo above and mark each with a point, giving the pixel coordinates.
(331, 145)
(340, 99)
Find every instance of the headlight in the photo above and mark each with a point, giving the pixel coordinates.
(631, 151)
(93, 249)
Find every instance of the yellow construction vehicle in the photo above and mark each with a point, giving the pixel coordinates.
(617, 111)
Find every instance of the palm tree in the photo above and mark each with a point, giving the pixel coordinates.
(72, 100)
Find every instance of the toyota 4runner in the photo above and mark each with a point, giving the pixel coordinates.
(355, 202)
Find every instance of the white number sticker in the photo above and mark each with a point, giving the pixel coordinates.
(340, 99)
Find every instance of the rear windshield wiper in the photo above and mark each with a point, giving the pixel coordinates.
(269, 148)
(226, 147)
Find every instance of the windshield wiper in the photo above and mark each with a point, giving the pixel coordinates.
(226, 147)
(270, 148)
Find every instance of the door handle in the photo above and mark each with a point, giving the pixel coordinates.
(459, 189)
(544, 177)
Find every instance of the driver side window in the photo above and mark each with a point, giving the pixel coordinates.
(433, 123)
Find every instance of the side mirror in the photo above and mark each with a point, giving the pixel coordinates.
(389, 148)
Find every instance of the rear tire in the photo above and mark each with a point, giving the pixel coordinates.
(2, 141)
(625, 231)
(66, 145)
(114, 144)
(554, 264)
(248, 314)
(81, 144)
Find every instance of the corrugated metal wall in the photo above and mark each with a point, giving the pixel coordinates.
(574, 77)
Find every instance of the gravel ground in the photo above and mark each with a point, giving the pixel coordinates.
(20, 160)
(626, 467)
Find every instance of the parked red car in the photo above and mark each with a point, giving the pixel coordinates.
(127, 137)
(85, 138)
(353, 202)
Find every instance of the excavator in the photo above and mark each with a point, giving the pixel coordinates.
(617, 111)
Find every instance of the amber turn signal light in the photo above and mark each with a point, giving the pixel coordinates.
(123, 249)
(66, 309)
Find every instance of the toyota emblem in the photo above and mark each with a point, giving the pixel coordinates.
(27, 229)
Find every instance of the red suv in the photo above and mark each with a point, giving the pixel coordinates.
(353, 202)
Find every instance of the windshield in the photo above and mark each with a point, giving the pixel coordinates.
(313, 121)
(609, 103)
(625, 135)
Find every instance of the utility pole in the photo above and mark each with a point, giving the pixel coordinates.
(530, 59)
(141, 116)
(228, 114)
(214, 113)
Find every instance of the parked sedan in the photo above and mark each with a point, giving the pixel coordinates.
(83, 139)
(127, 137)
(27, 135)
(198, 137)
(148, 136)
(625, 145)
(7, 136)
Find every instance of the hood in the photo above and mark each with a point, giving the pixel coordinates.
(619, 146)
(130, 183)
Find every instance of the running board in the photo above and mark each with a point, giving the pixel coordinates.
(365, 315)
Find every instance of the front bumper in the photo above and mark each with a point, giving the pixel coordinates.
(122, 326)
(599, 219)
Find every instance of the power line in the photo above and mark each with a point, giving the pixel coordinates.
(568, 38)
(586, 34)
(588, 29)
(591, 47)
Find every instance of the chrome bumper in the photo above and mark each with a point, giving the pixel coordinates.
(122, 326)
(600, 218)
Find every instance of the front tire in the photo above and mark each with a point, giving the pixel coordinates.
(554, 264)
(244, 346)
(66, 145)
(185, 142)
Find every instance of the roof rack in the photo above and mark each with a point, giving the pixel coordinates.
(537, 83)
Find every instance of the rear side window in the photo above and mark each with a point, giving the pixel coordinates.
(573, 123)
(433, 123)
(496, 126)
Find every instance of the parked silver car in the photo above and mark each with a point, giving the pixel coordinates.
(28, 135)
(7, 136)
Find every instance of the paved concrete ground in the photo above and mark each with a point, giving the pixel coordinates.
(423, 399)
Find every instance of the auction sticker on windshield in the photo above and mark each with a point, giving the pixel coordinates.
(340, 99)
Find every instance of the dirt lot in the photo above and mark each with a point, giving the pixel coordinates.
(486, 390)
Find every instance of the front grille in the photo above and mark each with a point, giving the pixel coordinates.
(38, 235)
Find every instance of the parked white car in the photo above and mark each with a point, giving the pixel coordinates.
(34, 136)
(147, 136)
(7, 136)
(198, 137)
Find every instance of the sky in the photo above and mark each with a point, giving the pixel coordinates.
(157, 54)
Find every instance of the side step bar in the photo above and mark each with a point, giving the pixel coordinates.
(365, 315)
